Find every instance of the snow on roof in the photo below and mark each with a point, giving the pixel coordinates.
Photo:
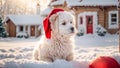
(92, 3)
(58, 2)
(46, 11)
(25, 19)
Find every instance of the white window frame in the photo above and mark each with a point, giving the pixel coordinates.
(115, 26)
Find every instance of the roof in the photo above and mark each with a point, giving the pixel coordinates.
(92, 2)
(25, 19)
(87, 2)
(46, 11)
(57, 2)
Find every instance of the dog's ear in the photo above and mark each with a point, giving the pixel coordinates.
(53, 18)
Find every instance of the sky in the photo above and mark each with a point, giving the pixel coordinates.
(44, 4)
(21, 6)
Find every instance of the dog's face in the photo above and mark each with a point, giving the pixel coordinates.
(63, 23)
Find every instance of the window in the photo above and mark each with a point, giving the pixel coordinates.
(113, 20)
(90, 20)
(21, 28)
(81, 20)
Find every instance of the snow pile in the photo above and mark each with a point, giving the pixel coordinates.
(22, 34)
(100, 28)
(17, 53)
(101, 31)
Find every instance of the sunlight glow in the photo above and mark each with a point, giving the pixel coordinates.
(32, 3)
(29, 5)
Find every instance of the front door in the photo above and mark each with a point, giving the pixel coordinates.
(89, 24)
(32, 30)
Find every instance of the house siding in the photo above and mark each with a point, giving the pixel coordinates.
(11, 28)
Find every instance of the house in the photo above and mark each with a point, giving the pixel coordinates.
(23, 23)
(91, 13)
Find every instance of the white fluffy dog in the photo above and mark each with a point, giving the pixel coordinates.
(61, 44)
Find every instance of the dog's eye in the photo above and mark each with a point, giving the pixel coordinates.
(64, 23)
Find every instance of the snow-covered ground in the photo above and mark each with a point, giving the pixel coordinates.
(17, 53)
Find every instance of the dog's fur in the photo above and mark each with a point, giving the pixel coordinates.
(60, 46)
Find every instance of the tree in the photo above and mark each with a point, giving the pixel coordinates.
(24, 7)
(3, 33)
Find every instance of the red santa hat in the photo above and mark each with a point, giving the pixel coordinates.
(46, 23)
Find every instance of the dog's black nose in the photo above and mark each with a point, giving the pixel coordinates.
(72, 28)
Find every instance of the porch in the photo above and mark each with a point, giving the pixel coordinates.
(30, 30)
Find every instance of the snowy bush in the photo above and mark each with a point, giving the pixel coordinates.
(22, 35)
(80, 31)
(118, 32)
(101, 31)
(80, 34)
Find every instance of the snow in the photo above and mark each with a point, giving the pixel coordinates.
(101, 28)
(17, 53)
(92, 3)
(21, 33)
(96, 41)
(58, 2)
(86, 2)
(46, 11)
(25, 19)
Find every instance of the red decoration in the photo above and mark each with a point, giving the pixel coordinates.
(46, 23)
(104, 62)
